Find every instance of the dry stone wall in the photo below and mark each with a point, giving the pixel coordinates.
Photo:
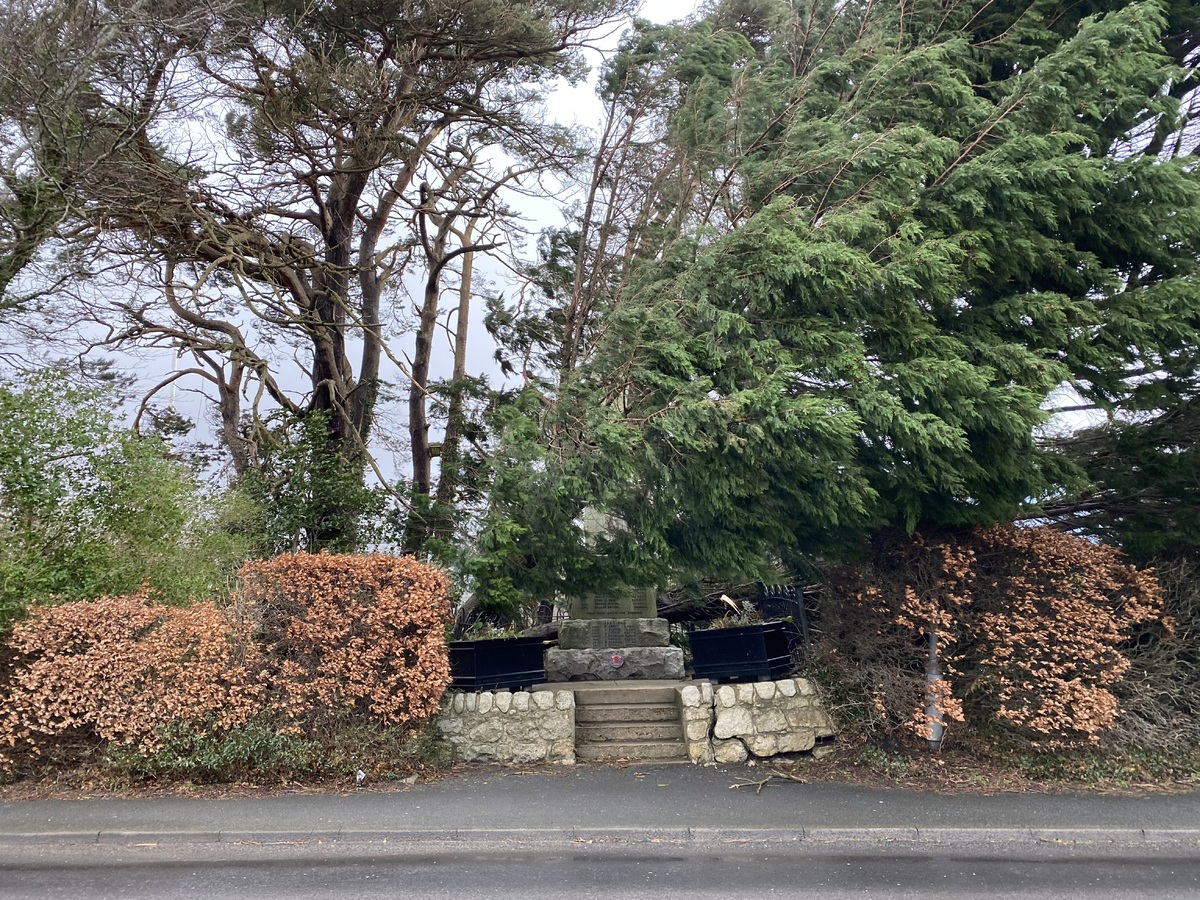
(696, 712)
(510, 726)
(732, 722)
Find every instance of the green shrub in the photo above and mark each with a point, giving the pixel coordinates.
(259, 751)
(89, 509)
(204, 752)
(1116, 766)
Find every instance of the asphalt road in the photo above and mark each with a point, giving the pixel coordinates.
(606, 832)
(579, 798)
(590, 872)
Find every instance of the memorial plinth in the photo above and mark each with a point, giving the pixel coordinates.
(636, 604)
(614, 637)
(589, 634)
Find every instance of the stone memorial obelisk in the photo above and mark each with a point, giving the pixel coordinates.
(610, 637)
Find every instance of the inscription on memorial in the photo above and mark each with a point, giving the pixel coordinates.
(605, 606)
(632, 604)
(584, 634)
(611, 634)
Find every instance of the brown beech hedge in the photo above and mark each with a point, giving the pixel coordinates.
(349, 634)
(309, 641)
(1032, 626)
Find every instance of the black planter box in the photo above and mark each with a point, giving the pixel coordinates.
(745, 653)
(487, 665)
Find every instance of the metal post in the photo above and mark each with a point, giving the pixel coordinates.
(933, 713)
(801, 612)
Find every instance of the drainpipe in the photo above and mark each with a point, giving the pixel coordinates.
(933, 713)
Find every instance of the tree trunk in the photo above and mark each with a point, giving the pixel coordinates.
(450, 466)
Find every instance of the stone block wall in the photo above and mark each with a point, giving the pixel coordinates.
(726, 723)
(732, 722)
(696, 714)
(510, 726)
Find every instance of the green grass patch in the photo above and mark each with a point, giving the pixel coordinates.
(1099, 767)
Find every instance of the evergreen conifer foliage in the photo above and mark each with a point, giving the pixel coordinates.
(947, 211)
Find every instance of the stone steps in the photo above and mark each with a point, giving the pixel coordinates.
(617, 732)
(585, 695)
(625, 712)
(628, 721)
(662, 751)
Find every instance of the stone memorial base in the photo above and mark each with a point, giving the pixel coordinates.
(597, 664)
(593, 634)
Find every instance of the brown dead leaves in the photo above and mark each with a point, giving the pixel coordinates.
(350, 633)
(1029, 621)
(307, 639)
(122, 667)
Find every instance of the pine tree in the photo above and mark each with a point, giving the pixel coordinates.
(229, 179)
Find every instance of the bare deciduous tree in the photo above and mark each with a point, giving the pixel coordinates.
(244, 180)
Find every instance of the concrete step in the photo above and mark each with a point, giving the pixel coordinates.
(626, 712)
(657, 750)
(609, 732)
(623, 695)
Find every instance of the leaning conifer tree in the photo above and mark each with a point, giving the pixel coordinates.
(947, 212)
